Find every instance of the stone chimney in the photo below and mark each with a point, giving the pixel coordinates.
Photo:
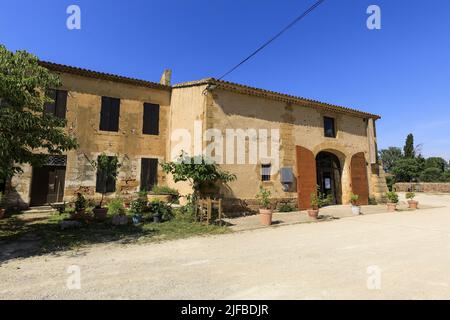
(166, 77)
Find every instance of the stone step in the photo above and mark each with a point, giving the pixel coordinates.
(41, 208)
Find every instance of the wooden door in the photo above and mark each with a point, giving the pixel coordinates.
(360, 184)
(39, 186)
(56, 184)
(47, 185)
(306, 177)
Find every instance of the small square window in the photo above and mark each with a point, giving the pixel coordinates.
(266, 172)
(329, 127)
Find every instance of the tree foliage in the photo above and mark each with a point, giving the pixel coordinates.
(408, 149)
(197, 170)
(412, 166)
(389, 157)
(27, 134)
(436, 162)
(407, 169)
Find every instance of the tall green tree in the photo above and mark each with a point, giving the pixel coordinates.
(199, 171)
(407, 169)
(389, 157)
(436, 162)
(27, 134)
(408, 149)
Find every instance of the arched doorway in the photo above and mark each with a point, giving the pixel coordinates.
(329, 173)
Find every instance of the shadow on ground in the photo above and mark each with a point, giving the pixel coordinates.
(22, 238)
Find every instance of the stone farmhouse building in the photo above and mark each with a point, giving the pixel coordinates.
(320, 145)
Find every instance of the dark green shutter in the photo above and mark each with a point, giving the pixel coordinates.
(149, 173)
(61, 104)
(151, 119)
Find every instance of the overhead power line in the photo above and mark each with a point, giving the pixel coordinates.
(304, 14)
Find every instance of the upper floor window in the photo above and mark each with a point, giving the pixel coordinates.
(151, 119)
(58, 107)
(109, 115)
(266, 172)
(329, 127)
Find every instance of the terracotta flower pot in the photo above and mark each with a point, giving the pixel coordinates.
(391, 206)
(265, 216)
(2, 213)
(313, 213)
(78, 215)
(413, 204)
(100, 213)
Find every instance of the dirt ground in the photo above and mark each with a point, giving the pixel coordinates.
(402, 255)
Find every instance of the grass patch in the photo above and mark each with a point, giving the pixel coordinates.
(47, 231)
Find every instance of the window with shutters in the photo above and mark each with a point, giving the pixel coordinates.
(149, 173)
(266, 172)
(329, 127)
(109, 115)
(58, 106)
(106, 181)
(151, 119)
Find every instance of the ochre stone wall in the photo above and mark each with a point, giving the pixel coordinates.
(299, 126)
(423, 187)
(129, 144)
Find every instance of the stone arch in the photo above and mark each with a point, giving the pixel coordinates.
(329, 170)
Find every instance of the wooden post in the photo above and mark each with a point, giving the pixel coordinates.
(209, 210)
(220, 212)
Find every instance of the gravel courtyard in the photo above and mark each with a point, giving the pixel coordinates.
(403, 255)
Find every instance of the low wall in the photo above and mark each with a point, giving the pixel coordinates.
(239, 207)
(423, 187)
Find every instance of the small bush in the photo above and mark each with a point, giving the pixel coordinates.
(164, 190)
(373, 201)
(80, 202)
(116, 207)
(264, 197)
(287, 208)
(390, 181)
(392, 197)
(410, 195)
(161, 209)
(354, 199)
(138, 206)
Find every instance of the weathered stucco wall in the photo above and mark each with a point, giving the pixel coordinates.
(187, 107)
(83, 118)
(298, 125)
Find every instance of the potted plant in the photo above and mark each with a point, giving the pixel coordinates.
(2, 206)
(160, 211)
(392, 200)
(356, 209)
(265, 213)
(136, 209)
(411, 202)
(80, 207)
(313, 211)
(117, 210)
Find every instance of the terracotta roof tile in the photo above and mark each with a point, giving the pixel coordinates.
(240, 88)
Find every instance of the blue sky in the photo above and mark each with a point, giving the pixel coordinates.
(400, 72)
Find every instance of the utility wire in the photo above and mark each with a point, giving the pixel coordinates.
(304, 14)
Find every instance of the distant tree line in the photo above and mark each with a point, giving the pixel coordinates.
(408, 165)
